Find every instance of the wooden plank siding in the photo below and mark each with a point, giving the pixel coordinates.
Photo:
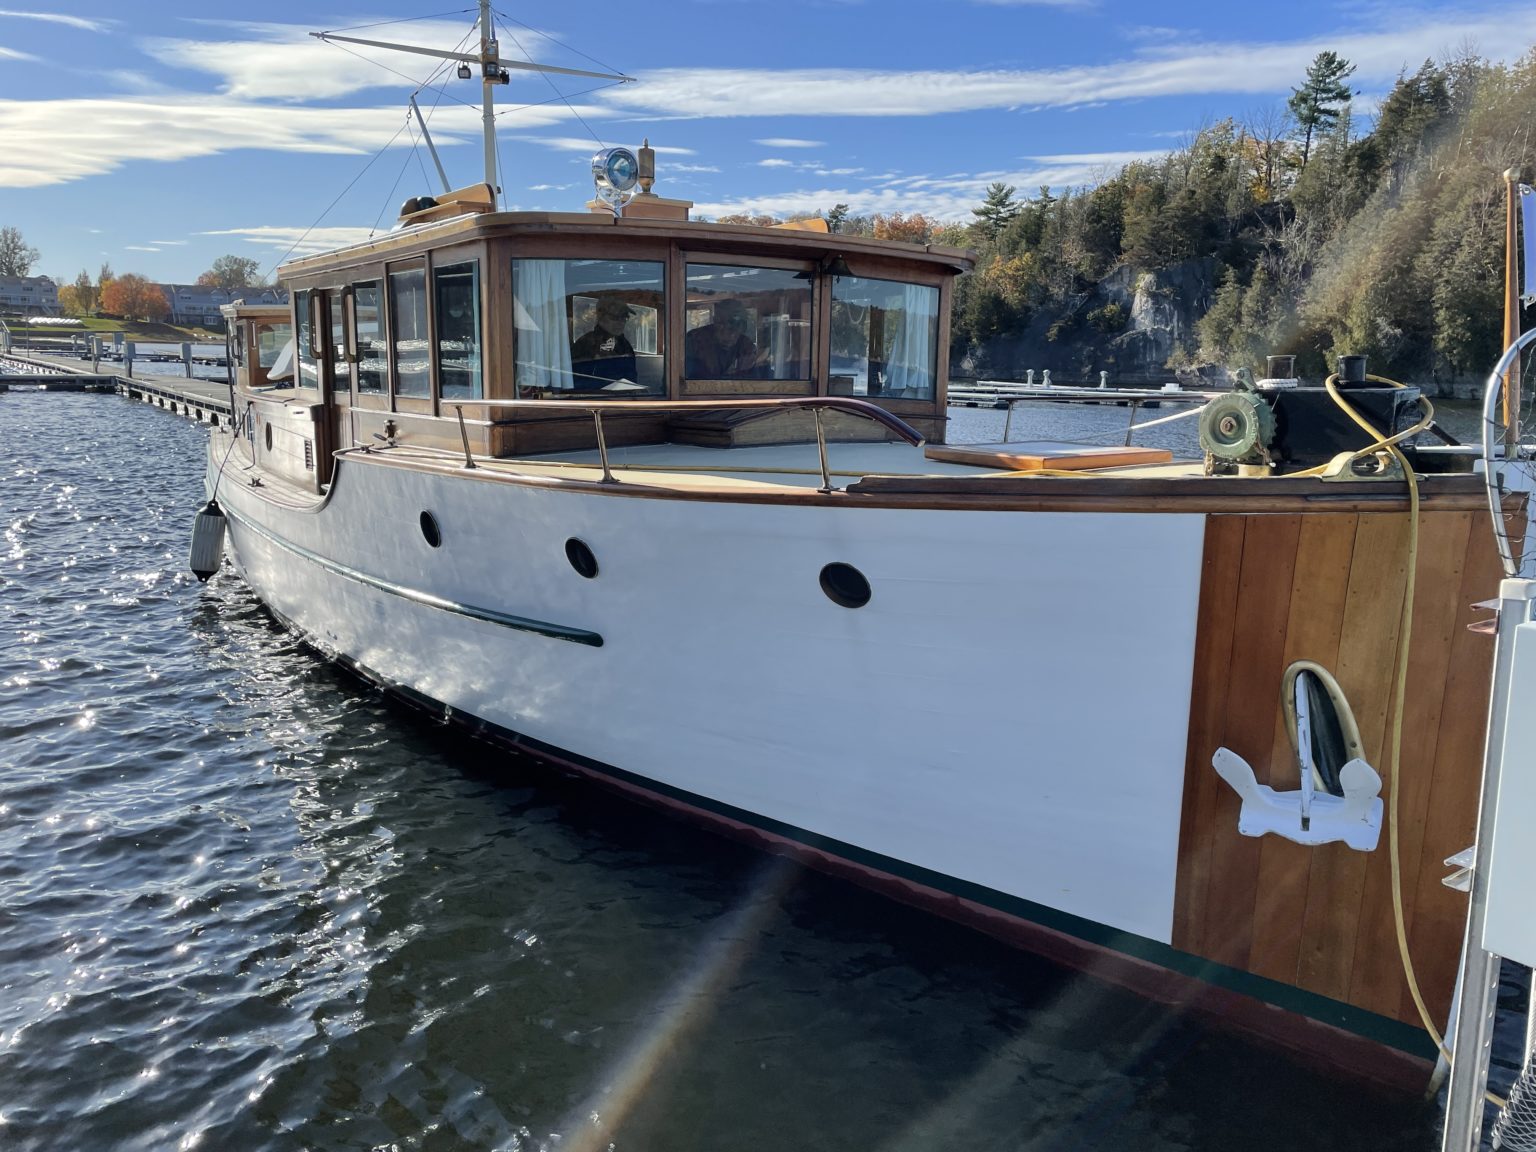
(1329, 587)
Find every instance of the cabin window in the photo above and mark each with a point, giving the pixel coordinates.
(341, 367)
(589, 325)
(747, 323)
(372, 368)
(458, 329)
(885, 337)
(408, 332)
(309, 361)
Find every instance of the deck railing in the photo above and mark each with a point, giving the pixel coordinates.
(816, 405)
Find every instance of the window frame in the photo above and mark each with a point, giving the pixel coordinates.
(685, 387)
(422, 405)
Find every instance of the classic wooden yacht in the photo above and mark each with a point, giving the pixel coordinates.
(668, 503)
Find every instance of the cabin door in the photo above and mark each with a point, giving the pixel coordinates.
(338, 371)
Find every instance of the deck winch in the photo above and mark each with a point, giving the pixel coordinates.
(1285, 426)
(1238, 428)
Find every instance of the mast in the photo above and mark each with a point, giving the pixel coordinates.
(490, 75)
(493, 71)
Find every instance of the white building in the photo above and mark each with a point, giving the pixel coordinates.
(29, 295)
(198, 304)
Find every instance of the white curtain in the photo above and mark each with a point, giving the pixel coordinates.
(909, 368)
(538, 305)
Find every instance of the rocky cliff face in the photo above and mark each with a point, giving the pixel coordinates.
(1130, 325)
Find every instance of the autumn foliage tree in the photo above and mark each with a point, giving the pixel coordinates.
(914, 229)
(136, 298)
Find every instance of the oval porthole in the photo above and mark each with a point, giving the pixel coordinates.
(430, 532)
(269, 437)
(581, 558)
(845, 585)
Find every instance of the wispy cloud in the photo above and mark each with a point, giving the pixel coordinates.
(170, 243)
(692, 168)
(301, 241)
(1192, 68)
(789, 142)
(104, 134)
(775, 162)
(284, 62)
(140, 248)
(582, 144)
(13, 54)
(947, 197)
(55, 18)
(547, 187)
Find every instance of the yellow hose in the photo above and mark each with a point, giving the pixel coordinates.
(1399, 690)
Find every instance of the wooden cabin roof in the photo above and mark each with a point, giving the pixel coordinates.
(743, 238)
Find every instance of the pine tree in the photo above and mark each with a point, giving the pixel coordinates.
(836, 216)
(997, 211)
(1317, 103)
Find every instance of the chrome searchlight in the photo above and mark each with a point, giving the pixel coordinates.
(615, 174)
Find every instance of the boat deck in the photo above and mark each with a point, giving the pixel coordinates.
(796, 465)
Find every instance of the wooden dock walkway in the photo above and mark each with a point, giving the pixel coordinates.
(206, 401)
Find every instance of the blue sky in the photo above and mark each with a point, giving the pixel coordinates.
(157, 137)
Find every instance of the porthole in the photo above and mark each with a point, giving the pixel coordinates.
(845, 585)
(269, 437)
(430, 532)
(581, 558)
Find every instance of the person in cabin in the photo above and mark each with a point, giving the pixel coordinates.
(604, 354)
(721, 349)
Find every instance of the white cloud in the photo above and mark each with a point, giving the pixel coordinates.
(58, 141)
(547, 187)
(1185, 69)
(790, 142)
(947, 197)
(300, 241)
(140, 248)
(170, 243)
(582, 144)
(775, 162)
(284, 62)
(692, 168)
(13, 54)
(68, 21)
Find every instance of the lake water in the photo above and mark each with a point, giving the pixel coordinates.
(246, 903)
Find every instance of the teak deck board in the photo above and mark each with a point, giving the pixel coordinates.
(1329, 588)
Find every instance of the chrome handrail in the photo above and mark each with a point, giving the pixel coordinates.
(1492, 393)
(816, 404)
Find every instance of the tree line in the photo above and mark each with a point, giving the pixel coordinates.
(1320, 238)
(130, 296)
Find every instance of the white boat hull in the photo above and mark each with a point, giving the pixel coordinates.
(1007, 711)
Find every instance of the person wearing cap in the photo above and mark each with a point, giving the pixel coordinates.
(721, 349)
(604, 354)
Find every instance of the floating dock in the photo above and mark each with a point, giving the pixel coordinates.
(206, 401)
